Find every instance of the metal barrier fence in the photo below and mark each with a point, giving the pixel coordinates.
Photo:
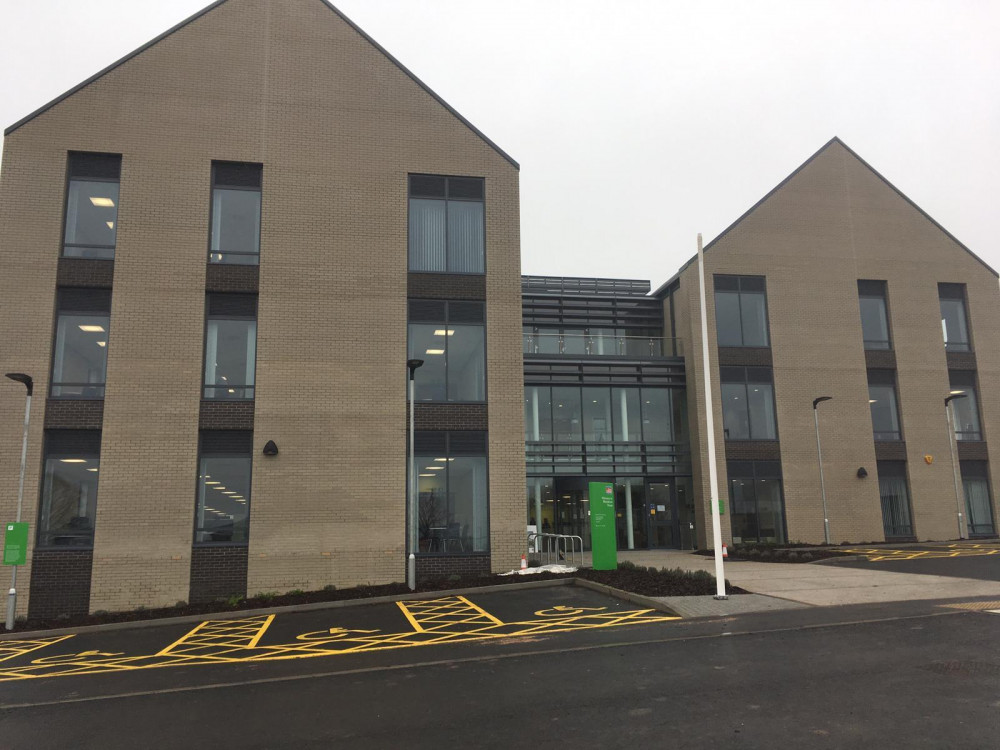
(556, 548)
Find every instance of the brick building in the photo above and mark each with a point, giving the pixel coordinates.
(219, 253)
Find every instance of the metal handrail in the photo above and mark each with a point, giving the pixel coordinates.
(594, 345)
(551, 544)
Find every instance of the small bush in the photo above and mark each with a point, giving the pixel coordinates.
(454, 577)
(766, 555)
(266, 596)
(329, 587)
(295, 592)
(806, 556)
(180, 604)
(234, 600)
(627, 565)
(793, 556)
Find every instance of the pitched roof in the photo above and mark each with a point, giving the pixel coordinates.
(785, 181)
(213, 6)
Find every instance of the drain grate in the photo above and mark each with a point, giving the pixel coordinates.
(964, 668)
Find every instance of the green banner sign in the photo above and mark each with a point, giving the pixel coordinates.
(603, 540)
(15, 544)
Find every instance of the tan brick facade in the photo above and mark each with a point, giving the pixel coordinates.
(337, 126)
(833, 222)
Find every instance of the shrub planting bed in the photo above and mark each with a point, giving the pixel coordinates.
(774, 553)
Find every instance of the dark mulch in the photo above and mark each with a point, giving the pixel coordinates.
(646, 581)
(800, 553)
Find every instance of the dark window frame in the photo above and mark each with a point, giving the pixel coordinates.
(877, 290)
(955, 378)
(446, 320)
(957, 292)
(70, 155)
(88, 437)
(204, 348)
(740, 280)
(886, 378)
(203, 435)
(442, 446)
(751, 375)
(758, 470)
(259, 188)
(64, 306)
(446, 198)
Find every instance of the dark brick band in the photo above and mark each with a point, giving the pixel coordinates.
(85, 273)
(73, 414)
(753, 450)
(890, 451)
(60, 583)
(747, 356)
(217, 573)
(440, 566)
(450, 417)
(226, 415)
(222, 277)
(445, 286)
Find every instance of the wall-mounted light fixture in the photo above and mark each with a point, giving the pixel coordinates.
(270, 448)
(862, 472)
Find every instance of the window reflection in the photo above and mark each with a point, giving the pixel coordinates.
(222, 513)
(69, 499)
(79, 361)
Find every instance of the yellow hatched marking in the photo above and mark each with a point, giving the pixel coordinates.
(13, 649)
(435, 621)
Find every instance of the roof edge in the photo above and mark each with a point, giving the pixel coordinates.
(437, 97)
(134, 53)
(45, 107)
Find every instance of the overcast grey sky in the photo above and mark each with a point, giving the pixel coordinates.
(639, 123)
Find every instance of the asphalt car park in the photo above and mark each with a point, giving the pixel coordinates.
(976, 560)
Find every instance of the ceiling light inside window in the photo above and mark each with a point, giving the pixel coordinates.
(102, 202)
(102, 343)
(213, 482)
(444, 332)
(435, 351)
(955, 393)
(73, 460)
(434, 468)
(111, 224)
(92, 329)
(428, 475)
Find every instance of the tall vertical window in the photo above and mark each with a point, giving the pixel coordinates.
(978, 504)
(453, 510)
(447, 232)
(874, 314)
(68, 509)
(748, 403)
(894, 492)
(235, 213)
(222, 505)
(965, 410)
(80, 355)
(741, 311)
(91, 205)
(884, 408)
(230, 346)
(451, 339)
(954, 322)
(756, 502)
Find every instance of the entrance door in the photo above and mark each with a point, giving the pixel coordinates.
(662, 515)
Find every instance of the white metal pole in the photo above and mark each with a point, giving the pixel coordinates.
(949, 418)
(822, 483)
(411, 526)
(713, 476)
(12, 594)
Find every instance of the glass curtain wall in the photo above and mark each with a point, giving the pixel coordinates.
(874, 314)
(68, 509)
(91, 227)
(236, 201)
(446, 225)
(741, 311)
(757, 507)
(954, 322)
(978, 503)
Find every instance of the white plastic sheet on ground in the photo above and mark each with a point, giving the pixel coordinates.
(541, 569)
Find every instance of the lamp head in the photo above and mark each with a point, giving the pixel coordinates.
(820, 400)
(20, 377)
(952, 397)
(412, 365)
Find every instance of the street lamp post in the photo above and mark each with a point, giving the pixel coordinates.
(949, 418)
(819, 453)
(411, 521)
(19, 377)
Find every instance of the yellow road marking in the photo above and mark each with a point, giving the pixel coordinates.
(972, 605)
(13, 649)
(435, 621)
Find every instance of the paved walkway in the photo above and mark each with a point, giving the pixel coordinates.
(820, 585)
(709, 606)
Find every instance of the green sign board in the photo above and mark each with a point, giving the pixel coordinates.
(15, 544)
(603, 539)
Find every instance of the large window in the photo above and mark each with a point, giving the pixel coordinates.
(965, 410)
(68, 509)
(235, 213)
(451, 340)
(882, 400)
(453, 510)
(748, 403)
(222, 507)
(91, 222)
(894, 492)
(741, 311)
(756, 505)
(978, 504)
(230, 346)
(602, 414)
(446, 227)
(954, 323)
(874, 314)
(80, 355)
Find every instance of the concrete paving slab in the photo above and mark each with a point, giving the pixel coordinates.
(822, 585)
(709, 606)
